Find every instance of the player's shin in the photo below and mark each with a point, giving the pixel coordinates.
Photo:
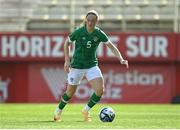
(93, 101)
(85, 112)
(65, 98)
(57, 115)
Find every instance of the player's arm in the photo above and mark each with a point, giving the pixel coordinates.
(67, 55)
(117, 53)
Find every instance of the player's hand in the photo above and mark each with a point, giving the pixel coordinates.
(124, 62)
(67, 66)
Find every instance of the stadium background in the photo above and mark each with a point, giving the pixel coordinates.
(147, 32)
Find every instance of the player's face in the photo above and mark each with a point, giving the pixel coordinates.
(91, 21)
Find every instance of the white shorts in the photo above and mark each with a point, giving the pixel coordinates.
(76, 75)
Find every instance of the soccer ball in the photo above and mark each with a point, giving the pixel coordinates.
(106, 114)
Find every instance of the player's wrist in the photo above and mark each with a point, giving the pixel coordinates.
(121, 61)
(67, 60)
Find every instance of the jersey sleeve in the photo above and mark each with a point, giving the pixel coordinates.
(104, 37)
(73, 36)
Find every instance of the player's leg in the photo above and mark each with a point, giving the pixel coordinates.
(74, 78)
(95, 79)
(71, 89)
(98, 87)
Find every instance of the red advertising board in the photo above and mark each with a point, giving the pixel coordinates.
(178, 47)
(31, 46)
(6, 77)
(49, 46)
(140, 84)
(152, 77)
(13, 82)
(47, 82)
(177, 90)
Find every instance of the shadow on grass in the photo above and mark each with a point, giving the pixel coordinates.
(79, 121)
(50, 121)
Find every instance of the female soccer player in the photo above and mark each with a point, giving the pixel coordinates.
(84, 63)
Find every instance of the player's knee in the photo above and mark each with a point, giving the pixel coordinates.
(70, 94)
(70, 91)
(100, 91)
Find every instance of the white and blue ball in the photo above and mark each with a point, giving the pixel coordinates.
(106, 114)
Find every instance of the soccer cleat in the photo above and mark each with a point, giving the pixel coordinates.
(86, 116)
(57, 115)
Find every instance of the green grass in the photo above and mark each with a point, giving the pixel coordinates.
(127, 116)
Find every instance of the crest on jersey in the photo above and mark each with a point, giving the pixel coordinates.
(95, 39)
(83, 38)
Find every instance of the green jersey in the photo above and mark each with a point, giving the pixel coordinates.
(86, 44)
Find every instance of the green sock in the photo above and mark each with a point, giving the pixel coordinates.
(65, 98)
(93, 100)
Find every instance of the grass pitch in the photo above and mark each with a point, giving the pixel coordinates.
(40, 116)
